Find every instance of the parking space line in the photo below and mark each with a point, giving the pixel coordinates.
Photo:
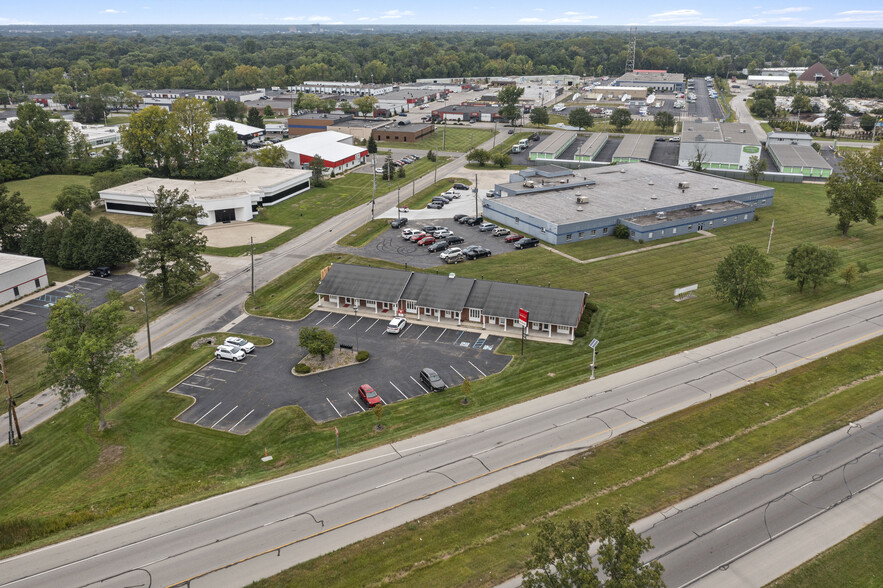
(196, 386)
(214, 378)
(343, 316)
(354, 400)
(225, 416)
(458, 338)
(15, 318)
(334, 407)
(22, 311)
(420, 335)
(3, 325)
(239, 421)
(372, 324)
(214, 367)
(355, 323)
(441, 335)
(476, 367)
(462, 377)
(32, 305)
(206, 414)
(397, 388)
(419, 385)
(406, 328)
(79, 287)
(323, 318)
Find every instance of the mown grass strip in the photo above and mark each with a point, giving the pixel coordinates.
(486, 539)
(39, 193)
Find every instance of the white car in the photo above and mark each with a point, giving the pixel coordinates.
(452, 252)
(406, 234)
(396, 325)
(500, 231)
(244, 344)
(229, 352)
(451, 194)
(442, 233)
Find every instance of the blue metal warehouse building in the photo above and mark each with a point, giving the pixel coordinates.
(654, 201)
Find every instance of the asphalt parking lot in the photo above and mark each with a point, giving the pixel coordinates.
(21, 322)
(237, 396)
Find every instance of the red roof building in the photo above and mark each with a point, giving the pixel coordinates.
(815, 74)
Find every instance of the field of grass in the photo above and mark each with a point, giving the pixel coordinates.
(40, 192)
(56, 274)
(317, 205)
(642, 127)
(127, 220)
(594, 248)
(365, 233)
(486, 539)
(446, 138)
(852, 563)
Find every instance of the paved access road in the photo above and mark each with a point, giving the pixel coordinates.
(251, 533)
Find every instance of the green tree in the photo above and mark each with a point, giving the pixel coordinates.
(664, 120)
(378, 412)
(47, 139)
(867, 122)
(15, 215)
(388, 167)
(501, 159)
(187, 135)
(808, 262)
(620, 231)
(269, 112)
(73, 197)
(854, 190)
(741, 276)
(73, 251)
(756, 167)
(580, 118)
(561, 556)
(466, 388)
(32, 240)
(317, 341)
(111, 179)
(110, 244)
(254, 119)
(52, 238)
(317, 166)
(849, 274)
(763, 108)
(271, 156)
(508, 98)
(540, 116)
(834, 115)
(479, 156)
(365, 104)
(372, 145)
(143, 138)
(88, 350)
(401, 173)
(171, 257)
(431, 156)
(620, 118)
(219, 157)
(801, 103)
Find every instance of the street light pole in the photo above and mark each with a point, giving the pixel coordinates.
(147, 317)
(356, 311)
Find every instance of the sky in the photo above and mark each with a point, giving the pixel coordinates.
(815, 13)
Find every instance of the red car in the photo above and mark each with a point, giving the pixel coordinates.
(368, 394)
(513, 238)
(426, 240)
(417, 236)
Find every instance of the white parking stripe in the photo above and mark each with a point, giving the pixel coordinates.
(422, 389)
(420, 335)
(354, 400)
(206, 414)
(332, 406)
(225, 416)
(15, 318)
(214, 367)
(476, 367)
(400, 392)
(440, 336)
(22, 311)
(406, 329)
(323, 318)
(458, 373)
(3, 325)
(343, 316)
(457, 340)
(355, 323)
(372, 324)
(239, 421)
(196, 386)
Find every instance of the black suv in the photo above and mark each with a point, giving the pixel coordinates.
(101, 272)
(459, 186)
(399, 223)
(477, 253)
(438, 246)
(527, 242)
(454, 240)
(432, 380)
(457, 217)
(474, 220)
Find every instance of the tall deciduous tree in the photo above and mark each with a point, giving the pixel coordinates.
(110, 244)
(808, 262)
(187, 134)
(317, 166)
(539, 116)
(741, 276)
(756, 167)
(664, 120)
(365, 104)
(854, 190)
(88, 350)
(317, 341)
(219, 157)
(73, 197)
(479, 156)
(271, 156)
(620, 118)
(254, 118)
(143, 138)
(170, 256)
(269, 112)
(15, 215)
(47, 139)
(508, 98)
(580, 118)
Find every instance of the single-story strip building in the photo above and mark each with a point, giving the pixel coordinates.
(20, 275)
(799, 159)
(452, 301)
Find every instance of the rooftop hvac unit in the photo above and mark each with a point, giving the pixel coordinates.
(697, 206)
(653, 197)
(582, 199)
(650, 183)
(660, 215)
(528, 184)
(714, 187)
(579, 208)
(727, 139)
(742, 130)
(683, 185)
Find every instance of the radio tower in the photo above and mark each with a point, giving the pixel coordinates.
(633, 40)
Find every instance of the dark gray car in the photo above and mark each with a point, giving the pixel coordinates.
(432, 380)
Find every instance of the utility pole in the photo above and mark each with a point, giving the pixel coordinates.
(444, 128)
(147, 318)
(13, 417)
(476, 194)
(251, 239)
(373, 186)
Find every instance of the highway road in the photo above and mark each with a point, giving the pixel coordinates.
(254, 532)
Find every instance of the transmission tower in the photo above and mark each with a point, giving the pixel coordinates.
(633, 40)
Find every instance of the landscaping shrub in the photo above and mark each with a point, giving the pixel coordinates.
(620, 231)
(362, 355)
(302, 369)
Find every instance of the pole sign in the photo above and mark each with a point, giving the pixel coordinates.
(522, 317)
(594, 343)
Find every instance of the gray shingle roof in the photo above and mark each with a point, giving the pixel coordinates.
(369, 283)
(546, 305)
(445, 293)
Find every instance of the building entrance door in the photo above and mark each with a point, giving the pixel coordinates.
(225, 215)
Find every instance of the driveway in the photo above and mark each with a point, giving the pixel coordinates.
(237, 396)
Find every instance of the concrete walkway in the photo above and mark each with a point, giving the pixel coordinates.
(705, 235)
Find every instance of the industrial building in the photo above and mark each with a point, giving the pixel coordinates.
(453, 301)
(799, 159)
(616, 93)
(407, 133)
(652, 200)
(232, 198)
(590, 148)
(718, 145)
(20, 275)
(553, 145)
(335, 149)
(318, 122)
(166, 97)
(468, 113)
(658, 80)
(246, 134)
(781, 138)
(634, 148)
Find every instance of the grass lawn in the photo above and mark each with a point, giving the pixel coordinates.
(127, 220)
(855, 562)
(610, 245)
(486, 539)
(116, 120)
(365, 233)
(56, 274)
(767, 127)
(40, 192)
(445, 138)
(643, 127)
(317, 205)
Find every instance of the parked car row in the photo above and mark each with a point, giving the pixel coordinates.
(428, 376)
(520, 241)
(234, 349)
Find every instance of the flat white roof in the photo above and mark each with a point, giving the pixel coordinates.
(9, 262)
(240, 128)
(326, 144)
(256, 179)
